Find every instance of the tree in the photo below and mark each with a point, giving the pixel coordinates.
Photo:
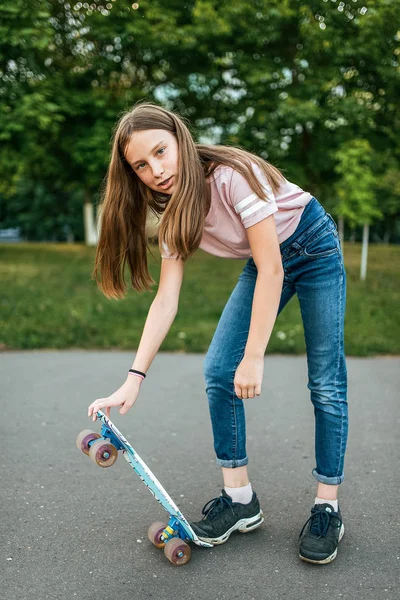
(356, 190)
(290, 81)
(388, 191)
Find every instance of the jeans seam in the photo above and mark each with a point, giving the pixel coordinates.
(337, 371)
(235, 436)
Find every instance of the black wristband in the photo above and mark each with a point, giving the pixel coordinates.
(138, 372)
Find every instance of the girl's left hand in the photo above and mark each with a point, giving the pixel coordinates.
(248, 377)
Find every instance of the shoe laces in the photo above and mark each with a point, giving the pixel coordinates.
(320, 521)
(215, 506)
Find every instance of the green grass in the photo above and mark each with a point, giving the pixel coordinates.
(49, 301)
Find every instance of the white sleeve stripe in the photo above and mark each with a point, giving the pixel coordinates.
(253, 209)
(243, 203)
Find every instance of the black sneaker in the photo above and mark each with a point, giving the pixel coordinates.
(319, 542)
(222, 516)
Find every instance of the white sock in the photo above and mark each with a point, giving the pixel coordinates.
(240, 494)
(333, 503)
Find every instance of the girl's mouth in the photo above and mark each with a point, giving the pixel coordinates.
(166, 183)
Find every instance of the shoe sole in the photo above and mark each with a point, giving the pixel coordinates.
(243, 526)
(329, 558)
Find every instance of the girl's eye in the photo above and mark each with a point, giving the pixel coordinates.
(142, 164)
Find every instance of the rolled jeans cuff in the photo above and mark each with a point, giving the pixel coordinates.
(327, 480)
(232, 464)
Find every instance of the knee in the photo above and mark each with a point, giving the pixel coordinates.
(212, 370)
(218, 373)
(328, 389)
(328, 399)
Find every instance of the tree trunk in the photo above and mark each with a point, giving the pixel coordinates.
(69, 235)
(89, 223)
(364, 252)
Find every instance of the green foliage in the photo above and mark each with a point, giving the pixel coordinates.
(356, 186)
(293, 81)
(43, 212)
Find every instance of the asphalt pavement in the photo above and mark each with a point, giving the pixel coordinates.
(71, 530)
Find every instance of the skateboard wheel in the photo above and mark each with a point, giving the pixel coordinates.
(155, 532)
(84, 438)
(103, 453)
(177, 552)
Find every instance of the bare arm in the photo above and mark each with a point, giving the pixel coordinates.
(160, 317)
(267, 257)
(161, 314)
(266, 300)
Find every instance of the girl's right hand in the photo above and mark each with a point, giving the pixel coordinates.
(125, 397)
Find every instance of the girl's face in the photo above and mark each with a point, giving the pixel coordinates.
(153, 155)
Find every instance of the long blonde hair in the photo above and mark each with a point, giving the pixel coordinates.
(127, 201)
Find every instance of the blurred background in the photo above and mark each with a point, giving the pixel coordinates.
(311, 86)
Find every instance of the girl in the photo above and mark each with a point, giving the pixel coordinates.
(233, 204)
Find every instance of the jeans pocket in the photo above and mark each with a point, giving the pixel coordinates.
(323, 243)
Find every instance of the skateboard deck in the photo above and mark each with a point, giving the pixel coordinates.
(178, 526)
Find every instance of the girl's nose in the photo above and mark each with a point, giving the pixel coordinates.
(157, 169)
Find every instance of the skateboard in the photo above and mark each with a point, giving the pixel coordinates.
(103, 450)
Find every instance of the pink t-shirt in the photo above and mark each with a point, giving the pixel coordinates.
(235, 207)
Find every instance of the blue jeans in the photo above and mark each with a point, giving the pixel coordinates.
(313, 267)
